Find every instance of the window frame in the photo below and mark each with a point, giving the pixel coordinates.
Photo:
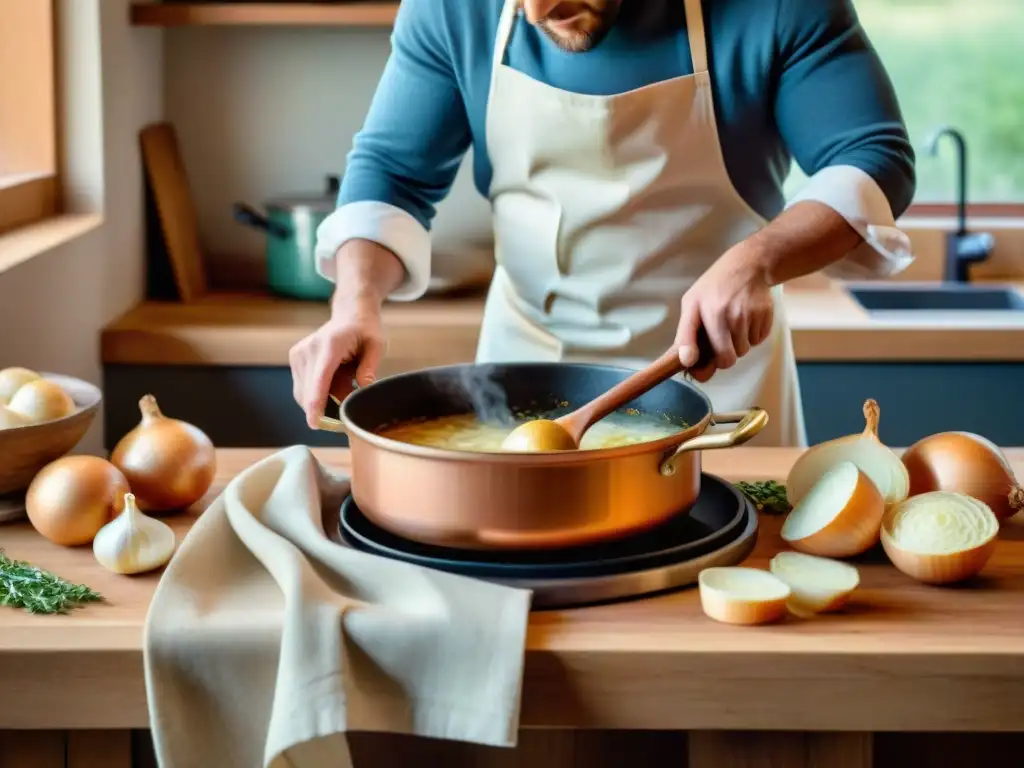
(30, 191)
(974, 210)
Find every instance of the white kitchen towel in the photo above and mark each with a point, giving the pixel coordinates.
(265, 641)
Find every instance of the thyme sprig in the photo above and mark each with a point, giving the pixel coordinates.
(25, 586)
(768, 496)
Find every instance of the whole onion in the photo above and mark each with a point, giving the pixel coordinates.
(963, 462)
(73, 497)
(170, 464)
(42, 400)
(13, 379)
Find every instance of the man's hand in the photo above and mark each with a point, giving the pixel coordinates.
(733, 303)
(733, 299)
(352, 335)
(365, 273)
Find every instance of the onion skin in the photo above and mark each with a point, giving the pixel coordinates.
(963, 462)
(170, 464)
(854, 531)
(943, 568)
(73, 497)
(938, 569)
(818, 459)
(745, 613)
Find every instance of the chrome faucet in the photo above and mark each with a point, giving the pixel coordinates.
(963, 248)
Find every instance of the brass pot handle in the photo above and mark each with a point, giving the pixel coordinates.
(327, 424)
(344, 380)
(748, 424)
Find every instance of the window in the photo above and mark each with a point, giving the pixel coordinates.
(958, 63)
(28, 130)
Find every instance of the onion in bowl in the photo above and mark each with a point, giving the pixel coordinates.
(42, 400)
(13, 379)
(11, 419)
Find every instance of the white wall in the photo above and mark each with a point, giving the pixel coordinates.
(53, 307)
(262, 112)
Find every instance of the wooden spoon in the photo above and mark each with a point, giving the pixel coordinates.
(566, 432)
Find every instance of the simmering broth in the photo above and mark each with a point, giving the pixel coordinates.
(466, 432)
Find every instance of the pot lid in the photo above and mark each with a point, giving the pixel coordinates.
(324, 202)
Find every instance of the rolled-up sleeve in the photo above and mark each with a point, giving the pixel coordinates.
(404, 160)
(837, 111)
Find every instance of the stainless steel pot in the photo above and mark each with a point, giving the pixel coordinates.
(290, 224)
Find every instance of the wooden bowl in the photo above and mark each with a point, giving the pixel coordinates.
(26, 450)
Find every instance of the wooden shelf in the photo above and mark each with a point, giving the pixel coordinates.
(323, 14)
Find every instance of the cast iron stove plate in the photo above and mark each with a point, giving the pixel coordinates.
(715, 520)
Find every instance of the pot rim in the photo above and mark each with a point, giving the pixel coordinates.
(552, 459)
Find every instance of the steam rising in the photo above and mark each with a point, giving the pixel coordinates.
(489, 399)
(477, 387)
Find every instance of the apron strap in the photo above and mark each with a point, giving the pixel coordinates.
(505, 24)
(695, 31)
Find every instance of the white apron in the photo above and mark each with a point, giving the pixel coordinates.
(606, 210)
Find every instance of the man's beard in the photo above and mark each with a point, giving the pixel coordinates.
(581, 42)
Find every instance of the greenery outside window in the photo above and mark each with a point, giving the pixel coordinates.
(958, 63)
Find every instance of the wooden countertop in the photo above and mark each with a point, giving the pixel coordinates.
(254, 330)
(904, 656)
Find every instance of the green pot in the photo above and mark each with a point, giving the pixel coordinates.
(290, 224)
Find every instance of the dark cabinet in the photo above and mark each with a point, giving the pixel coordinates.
(916, 399)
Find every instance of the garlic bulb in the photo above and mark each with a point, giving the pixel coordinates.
(132, 542)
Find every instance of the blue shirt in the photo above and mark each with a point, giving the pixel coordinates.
(792, 80)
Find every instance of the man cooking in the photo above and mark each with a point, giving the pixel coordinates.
(634, 153)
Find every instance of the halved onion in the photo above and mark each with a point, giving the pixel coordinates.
(736, 595)
(839, 517)
(940, 537)
(966, 463)
(864, 449)
(817, 584)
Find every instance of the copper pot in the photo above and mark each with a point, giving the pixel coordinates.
(472, 500)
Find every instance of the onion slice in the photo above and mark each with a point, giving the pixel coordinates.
(864, 449)
(817, 584)
(736, 595)
(839, 517)
(940, 537)
(963, 462)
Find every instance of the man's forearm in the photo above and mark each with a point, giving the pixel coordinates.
(365, 271)
(802, 240)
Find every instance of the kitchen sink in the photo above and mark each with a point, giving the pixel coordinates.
(944, 297)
